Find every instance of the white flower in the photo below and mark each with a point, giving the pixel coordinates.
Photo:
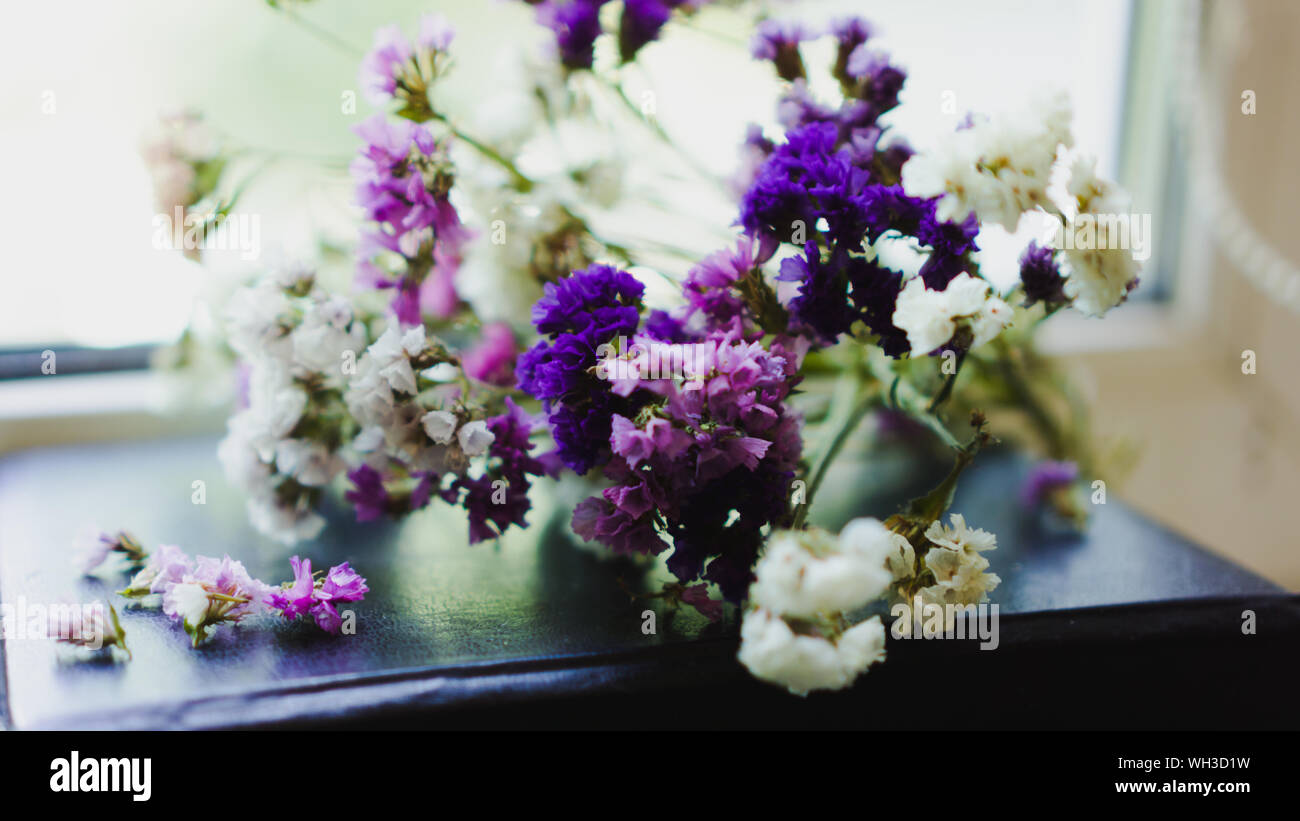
(286, 525)
(475, 438)
(1099, 278)
(804, 573)
(392, 353)
(257, 319)
(369, 440)
(773, 652)
(997, 168)
(310, 463)
(440, 425)
(239, 456)
(187, 601)
(930, 318)
(326, 335)
(955, 561)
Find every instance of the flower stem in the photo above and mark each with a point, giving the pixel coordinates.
(521, 181)
(863, 398)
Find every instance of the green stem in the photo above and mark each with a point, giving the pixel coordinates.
(864, 398)
(324, 35)
(521, 182)
(946, 390)
(1057, 447)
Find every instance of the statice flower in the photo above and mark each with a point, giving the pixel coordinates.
(395, 68)
(298, 343)
(995, 168)
(166, 566)
(94, 627)
(492, 358)
(308, 595)
(576, 316)
(707, 464)
(948, 568)
(416, 241)
(215, 592)
(778, 41)
(94, 548)
(963, 316)
(773, 651)
(498, 498)
(1046, 478)
(576, 25)
(185, 161)
(1040, 275)
(1101, 276)
(804, 573)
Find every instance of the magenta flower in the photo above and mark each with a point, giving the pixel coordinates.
(492, 360)
(342, 583)
(697, 596)
(308, 595)
(299, 597)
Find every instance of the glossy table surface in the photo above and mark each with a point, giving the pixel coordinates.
(510, 634)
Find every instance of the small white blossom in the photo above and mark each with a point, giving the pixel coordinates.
(1099, 278)
(930, 318)
(187, 601)
(440, 425)
(997, 168)
(955, 560)
(310, 463)
(475, 438)
(772, 651)
(803, 573)
(286, 525)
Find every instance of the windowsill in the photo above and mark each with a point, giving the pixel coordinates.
(1136, 326)
(55, 409)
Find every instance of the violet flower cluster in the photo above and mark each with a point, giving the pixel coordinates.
(416, 241)
(700, 462)
(576, 25)
(832, 190)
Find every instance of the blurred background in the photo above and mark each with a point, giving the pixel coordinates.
(1158, 89)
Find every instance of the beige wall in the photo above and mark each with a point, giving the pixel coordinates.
(1221, 449)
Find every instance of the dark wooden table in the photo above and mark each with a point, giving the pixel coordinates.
(1130, 626)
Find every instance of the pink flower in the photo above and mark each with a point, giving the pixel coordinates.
(342, 583)
(299, 597)
(492, 360)
(697, 596)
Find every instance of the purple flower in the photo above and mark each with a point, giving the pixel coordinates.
(1041, 276)
(640, 24)
(298, 598)
(878, 82)
(385, 61)
(368, 496)
(697, 596)
(342, 583)
(393, 62)
(579, 314)
(306, 595)
(1045, 477)
(850, 32)
(710, 468)
(778, 41)
(403, 178)
(492, 360)
(576, 24)
(327, 618)
(499, 498)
